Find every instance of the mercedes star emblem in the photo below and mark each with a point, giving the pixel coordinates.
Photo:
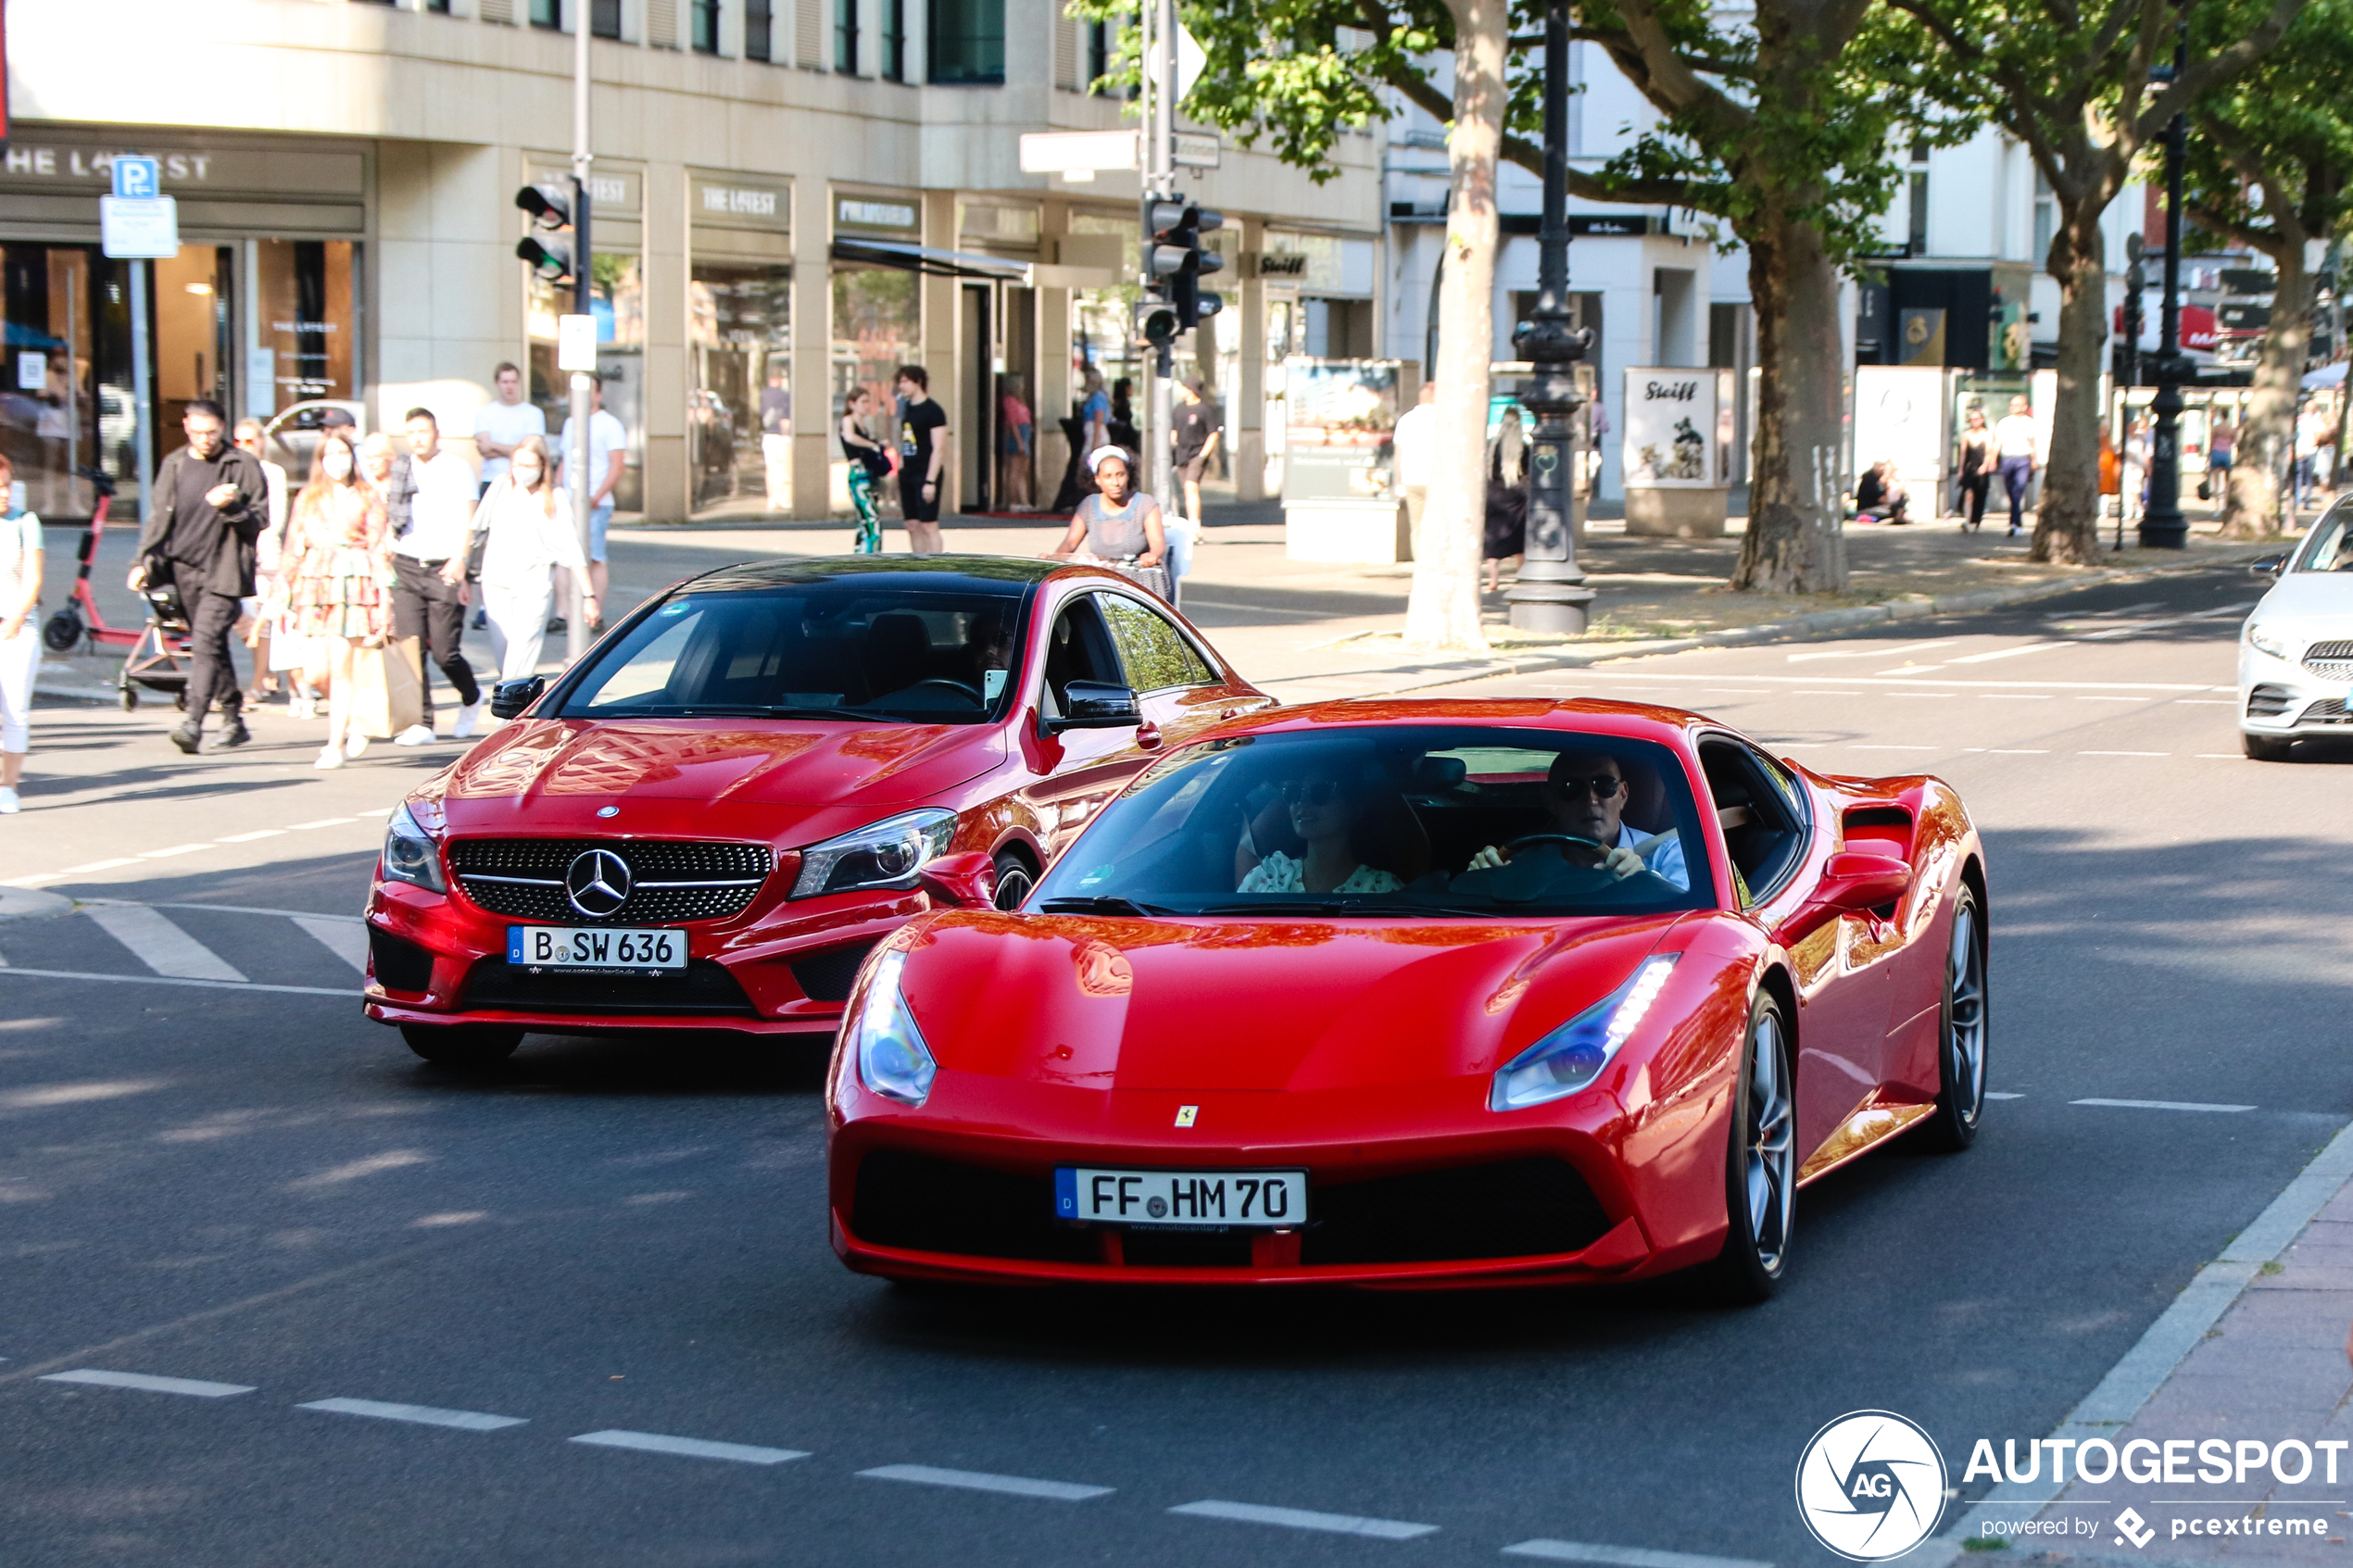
(597, 883)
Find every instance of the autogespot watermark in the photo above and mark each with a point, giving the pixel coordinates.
(1870, 1486)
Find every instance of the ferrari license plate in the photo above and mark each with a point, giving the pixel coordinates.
(606, 947)
(1215, 1199)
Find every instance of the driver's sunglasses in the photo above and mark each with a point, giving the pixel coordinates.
(1601, 786)
(1312, 792)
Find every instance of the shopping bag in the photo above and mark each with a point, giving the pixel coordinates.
(371, 695)
(404, 683)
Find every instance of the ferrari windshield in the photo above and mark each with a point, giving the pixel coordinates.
(1406, 821)
(815, 650)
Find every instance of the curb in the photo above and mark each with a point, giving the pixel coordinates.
(1889, 610)
(2135, 1379)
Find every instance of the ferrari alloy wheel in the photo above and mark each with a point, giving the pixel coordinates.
(461, 1045)
(1760, 1199)
(1961, 1055)
(2266, 749)
(1014, 881)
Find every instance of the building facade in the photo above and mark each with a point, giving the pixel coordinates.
(791, 197)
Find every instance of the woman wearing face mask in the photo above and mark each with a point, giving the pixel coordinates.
(524, 524)
(342, 550)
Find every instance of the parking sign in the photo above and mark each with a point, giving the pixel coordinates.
(137, 176)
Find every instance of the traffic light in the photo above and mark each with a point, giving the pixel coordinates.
(1160, 328)
(1174, 259)
(550, 209)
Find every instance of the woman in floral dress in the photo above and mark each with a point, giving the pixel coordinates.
(341, 548)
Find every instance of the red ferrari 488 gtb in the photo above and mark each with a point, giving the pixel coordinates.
(709, 821)
(1413, 994)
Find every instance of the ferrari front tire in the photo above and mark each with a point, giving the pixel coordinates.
(1961, 1033)
(2266, 749)
(461, 1045)
(1760, 1175)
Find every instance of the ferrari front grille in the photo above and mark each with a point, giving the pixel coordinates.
(2268, 701)
(670, 882)
(1512, 1209)
(2329, 661)
(930, 1205)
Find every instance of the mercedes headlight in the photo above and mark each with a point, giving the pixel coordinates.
(2263, 639)
(1573, 1055)
(884, 854)
(893, 1062)
(411, 855)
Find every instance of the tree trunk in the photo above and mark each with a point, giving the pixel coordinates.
(2066, 520)
(1442, 611)
(2269, 425)
(1796, 541)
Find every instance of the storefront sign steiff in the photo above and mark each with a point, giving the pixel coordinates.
(138, 222)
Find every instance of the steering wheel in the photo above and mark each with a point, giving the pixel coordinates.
(957, 686)
(1517, 845)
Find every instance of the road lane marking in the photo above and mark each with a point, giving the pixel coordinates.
(2008, 653)
(2160, 1105)
(2017, 751)
(2016, 696)
(1624, 1556)
(160, 944)
(1826, 694)
(1303, 1519)
(193, 1387)
(344, 939)
(321, 823)
(205, 985)
(981, 1481)
(369, 1165)
(692, 1448)
(1876, 652)
(175, 849)
(421, 1415)
(1992, 1095)
(1873, 747)
(241, 909)
(2123, 754)
(250, 837)
(2114, 700)
(100, 866)
(2112, 633)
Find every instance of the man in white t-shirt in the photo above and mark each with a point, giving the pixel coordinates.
(2017, 444)
(502, 426)
(608, 454)
(1414, 445)
(429, 566)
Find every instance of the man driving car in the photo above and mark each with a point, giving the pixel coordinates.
(1585, 796)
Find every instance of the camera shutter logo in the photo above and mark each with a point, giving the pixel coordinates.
(597, 883)
(1870, 1486)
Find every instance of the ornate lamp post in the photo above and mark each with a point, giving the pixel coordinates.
(1549, 593)
(2162, 526)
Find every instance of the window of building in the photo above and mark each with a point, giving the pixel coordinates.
(760, 30)
(968, 43)
(438, 7)
(604, 18)
(846, 37)
(1919, 228)
(547, 14)
(1098, 53)
(894, 40)
(739, 417)
(705, 17)
(2045, 216)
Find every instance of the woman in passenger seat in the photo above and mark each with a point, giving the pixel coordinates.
(1324, 812)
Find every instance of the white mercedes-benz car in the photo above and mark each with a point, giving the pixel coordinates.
(2296, 654)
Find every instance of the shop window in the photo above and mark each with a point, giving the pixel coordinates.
(705, 19)
(617, 301)
(604, 18)
(878, 327)
(894, 40)
(193, 342)
(65, 393)
(739, 417)
(968, 43)
(760, 30)
(846, 37)
(305, 291)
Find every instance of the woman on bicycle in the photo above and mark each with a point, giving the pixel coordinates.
(1115, 523)
(869, 464)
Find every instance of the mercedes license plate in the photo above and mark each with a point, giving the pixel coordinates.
(605, 948)
(1213, 1198)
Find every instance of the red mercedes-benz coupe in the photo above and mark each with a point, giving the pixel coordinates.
(1412, 994)
(710, 820)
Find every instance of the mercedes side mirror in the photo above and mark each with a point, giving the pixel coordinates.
(966, 881)
(1096, 705)
(2268, 566)
(509, 699)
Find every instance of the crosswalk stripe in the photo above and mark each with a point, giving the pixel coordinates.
(16, 972)
(340, 937)
(160, 944)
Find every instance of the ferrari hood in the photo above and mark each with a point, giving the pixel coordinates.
(719, 762)
(1116, 1004)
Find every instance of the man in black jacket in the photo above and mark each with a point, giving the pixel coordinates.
(208, 506)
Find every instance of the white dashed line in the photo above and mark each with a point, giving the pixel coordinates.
(343, 937)
(321, 823)
(1302, 1519)
(2016, 751)
(692, 1448)
(421, 1415)
(175, 849)
(2014, 696)
(99, 866)
(1624, 1556)
(195, 1387)
(2007, 653)
(2160, 1105)
(250, 837)
(1826, 694)
(1992, 1095)
(2123, 754)
(981, 1481)
(160, 944)
(2114, 700)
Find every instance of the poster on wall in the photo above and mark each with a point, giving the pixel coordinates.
(1672, 438)
(1339, 416)
(1899, 419)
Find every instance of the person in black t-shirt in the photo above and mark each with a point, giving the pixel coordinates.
(1193, 434)
(922, 458)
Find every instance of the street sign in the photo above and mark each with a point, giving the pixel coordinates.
(1197, 149)
(1059, 152)
(136, 178)
(139, 228)
(576, 343)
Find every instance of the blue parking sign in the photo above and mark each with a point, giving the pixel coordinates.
(136, 176)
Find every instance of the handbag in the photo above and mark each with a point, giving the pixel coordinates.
(370, 697)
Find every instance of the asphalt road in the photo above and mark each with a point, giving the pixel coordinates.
(258, 1188)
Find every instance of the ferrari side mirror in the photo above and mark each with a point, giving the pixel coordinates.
(1853, 883)
(966, 881)
(509, 699)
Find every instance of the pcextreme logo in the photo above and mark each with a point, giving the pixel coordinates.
(1870, 1486)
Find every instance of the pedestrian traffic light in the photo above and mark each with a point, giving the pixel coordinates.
(550, 209)
(1160, 328)
(1174, 259)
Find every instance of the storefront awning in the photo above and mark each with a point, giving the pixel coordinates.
(929, 261)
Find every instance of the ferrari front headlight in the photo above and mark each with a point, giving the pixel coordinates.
(1572, 1056)
(893, 1062)
(2263, 639)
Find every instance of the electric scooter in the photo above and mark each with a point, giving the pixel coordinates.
(79, 617)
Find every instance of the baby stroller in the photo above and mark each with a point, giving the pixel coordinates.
(160, 660)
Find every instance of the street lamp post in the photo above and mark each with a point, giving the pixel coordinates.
(2162, 526)
(1549, 593)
